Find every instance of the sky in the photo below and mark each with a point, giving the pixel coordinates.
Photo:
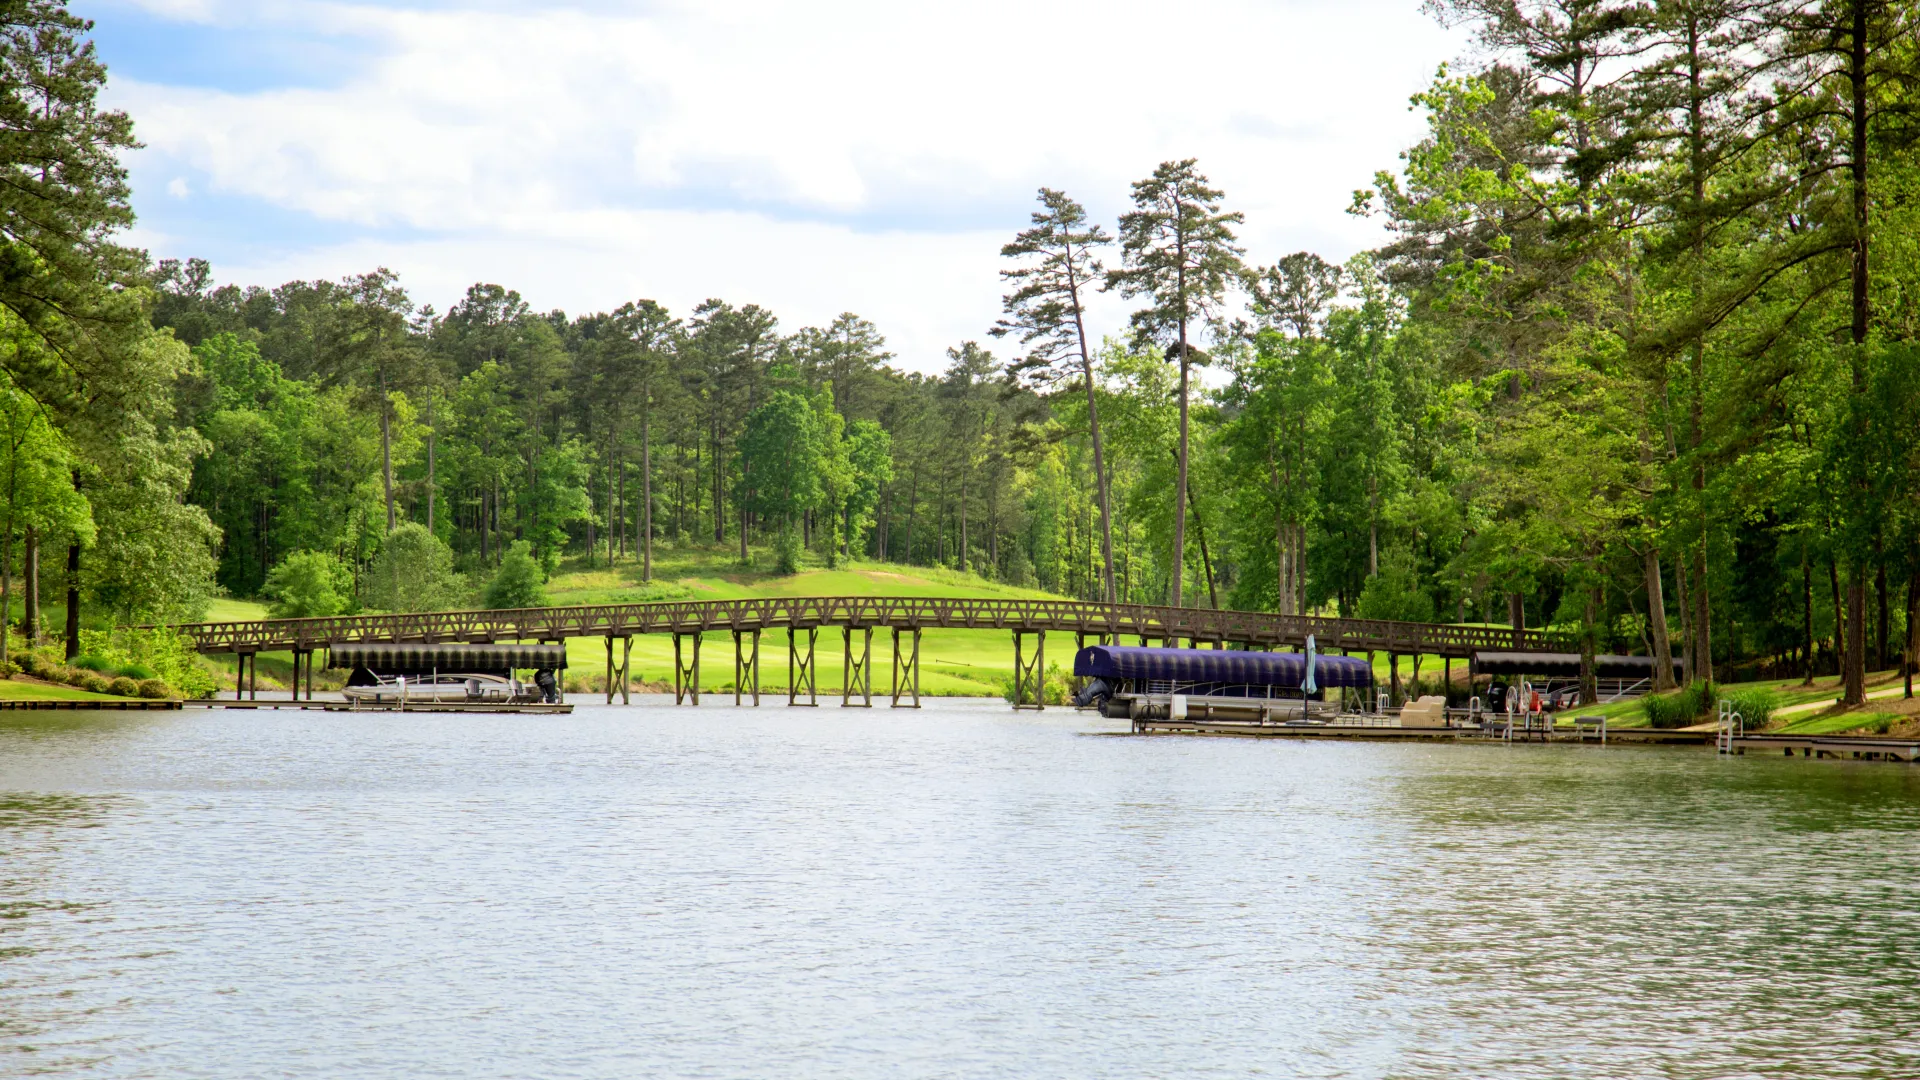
(836, 155)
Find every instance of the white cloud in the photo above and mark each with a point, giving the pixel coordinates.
(816, 157)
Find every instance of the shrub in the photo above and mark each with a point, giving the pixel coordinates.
(786, 552)
(154, 688)
(414, 572)
(518, 583)
(8, 669)
(1679, 708)
(124, 687)
(1055, 686)
(158, 653)
(95, 684)
(92, 662)
(309, 584)
(1754, 704)
(76, 676)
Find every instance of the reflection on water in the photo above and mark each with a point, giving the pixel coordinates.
(954, 892)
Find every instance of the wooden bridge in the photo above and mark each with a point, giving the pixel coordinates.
(905, 617)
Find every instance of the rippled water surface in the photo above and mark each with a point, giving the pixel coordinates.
(958, 892)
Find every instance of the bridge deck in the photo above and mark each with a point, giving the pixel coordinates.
(1256, 629)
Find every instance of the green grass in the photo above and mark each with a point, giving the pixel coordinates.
(966, 663)
(14, 690)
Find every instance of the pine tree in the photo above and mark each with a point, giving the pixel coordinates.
(1178, 251)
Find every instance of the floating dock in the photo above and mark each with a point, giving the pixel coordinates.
(1387, 728)
(83, 705)
(1855, 747)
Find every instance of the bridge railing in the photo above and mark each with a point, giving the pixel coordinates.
(690, 616)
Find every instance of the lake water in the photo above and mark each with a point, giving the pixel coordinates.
(957, 892)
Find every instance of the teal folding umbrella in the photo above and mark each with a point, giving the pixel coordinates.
(1310, 686)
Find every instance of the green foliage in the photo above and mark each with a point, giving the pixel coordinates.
(783, 457)
(146, 654)
(154, 688)
(1055, 686)
(1755, 704)
(94, 684)
(124, 687)
(1679, 708)
(787, 550)
(1395, 593)
(414, 572)
(93, 662)
(309, 584)
(519, 583)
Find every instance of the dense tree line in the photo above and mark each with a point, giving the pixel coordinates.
(1637, 362)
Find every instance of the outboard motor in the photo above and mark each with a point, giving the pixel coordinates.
(1096, 693)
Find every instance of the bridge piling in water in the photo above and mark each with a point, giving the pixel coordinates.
(1029, 679)
(800, 668)
(856, 669)
(686, 678)
(746, 667)
(911, 668)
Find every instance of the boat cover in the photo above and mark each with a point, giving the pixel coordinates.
(1605, 665)
(1218, 666)
(451, 658)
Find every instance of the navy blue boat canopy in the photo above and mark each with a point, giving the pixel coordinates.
(1218, 666)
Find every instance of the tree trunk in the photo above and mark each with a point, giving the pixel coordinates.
(1806, 619)
(433, 437)
(1589, 684)
(386, 448)
(1880, 628)
(1657, 623)
(1516, 611)
(1702, 645)
(6, 592)
(1856, 681)
(31, 626)
(1913, 629)
(1099, 470)
(1180, 481)
(73, 600)
(1373, 526)
(1856, 669)
(1839, 620)
(646, 494)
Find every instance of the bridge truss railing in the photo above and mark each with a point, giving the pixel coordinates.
(1116, 621)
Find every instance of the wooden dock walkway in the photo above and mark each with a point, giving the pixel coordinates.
(85, 705)
(1852, 747)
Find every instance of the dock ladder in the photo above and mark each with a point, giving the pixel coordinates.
(1730, 726)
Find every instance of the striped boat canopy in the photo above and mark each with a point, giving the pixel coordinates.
(452, 658)
(1605, 665)
(1224, 666)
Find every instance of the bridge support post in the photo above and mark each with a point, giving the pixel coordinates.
(746, 664)
(609, 669)
(910, 667)
(800, 668)
(1029, 679)
(626, 670)
(856, 670)
(1393, 677)
(686, 677)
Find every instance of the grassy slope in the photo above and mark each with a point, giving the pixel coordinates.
(14, 689)
(952, 662)
(1818, 717)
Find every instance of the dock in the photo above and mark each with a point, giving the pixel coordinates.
(86, 705)
(323, 705)
(1852, 747)
(1386, 728)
